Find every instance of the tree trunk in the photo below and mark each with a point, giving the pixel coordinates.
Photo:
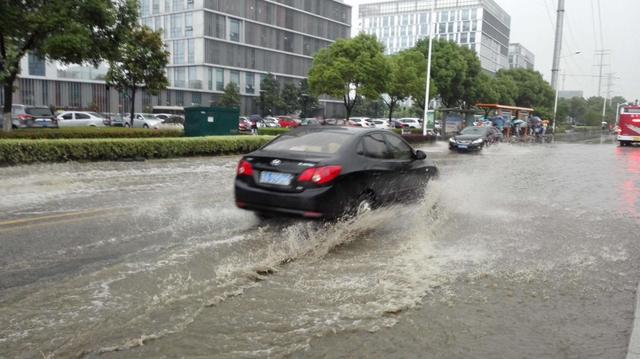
(8, 98)
(133, 104)
(392, 105)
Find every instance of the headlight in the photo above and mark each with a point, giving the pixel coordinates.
(452, 139)
(478, 141)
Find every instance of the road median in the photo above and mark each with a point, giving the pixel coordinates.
(21, 151)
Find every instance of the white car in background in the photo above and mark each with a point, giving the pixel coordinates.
(361, 122)
(144, 120)
(81, 119)
(411, 122)
(381, 123)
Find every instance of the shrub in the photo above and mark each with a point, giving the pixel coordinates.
(28, 151)
(89, 132)
(272, 131)
(413, 138)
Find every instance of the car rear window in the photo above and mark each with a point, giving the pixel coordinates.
(312, 142)
(38, 111)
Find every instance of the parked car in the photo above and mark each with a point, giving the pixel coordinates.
(244, 124)
(174, 122)
(162, 116)
(23, 116)
(81, 119)
(144, 120)
(270, 122)
(381, 123)
(287, 122)
(395, 123)
(336, 122)
(327, 171)
(472, 138)
(411, 122)
(113, 119)
(360, 122)
(311, 122)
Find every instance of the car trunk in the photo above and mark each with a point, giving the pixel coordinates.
(279, 171)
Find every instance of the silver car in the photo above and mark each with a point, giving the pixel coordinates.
(144, 120)
(81, 119)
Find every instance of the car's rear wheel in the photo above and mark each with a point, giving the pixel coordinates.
(127, 125)
(145, 126)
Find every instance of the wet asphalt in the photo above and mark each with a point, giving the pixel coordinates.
(521, 251)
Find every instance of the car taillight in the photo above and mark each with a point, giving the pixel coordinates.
(244, 168)
(320, 175)
(24, 117)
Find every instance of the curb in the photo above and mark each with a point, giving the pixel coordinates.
(634, 342)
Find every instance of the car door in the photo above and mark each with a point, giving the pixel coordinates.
(413, 173)
(382, 170)
(82, 119)
(65, 120)
(139, 122)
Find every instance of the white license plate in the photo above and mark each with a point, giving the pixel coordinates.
(281, 179)
(462, 146)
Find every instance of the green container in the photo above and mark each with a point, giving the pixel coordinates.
(210, 121)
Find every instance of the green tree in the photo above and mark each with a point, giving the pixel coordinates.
(231, 97)
(140, 62)
(270, 101)
(65, 30)
(290, 98)
(406, 78)
(454, 73)
(531, 88)
(349, 69)
(309, 104)
(374, 107)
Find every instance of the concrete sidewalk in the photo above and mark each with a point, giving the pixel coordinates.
(634, 343)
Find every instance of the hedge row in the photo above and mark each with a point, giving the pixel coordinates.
(89, 132)
(272, 131)
(29, 151)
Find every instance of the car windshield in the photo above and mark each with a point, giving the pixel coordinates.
(313, 142)
(474, 131)
(38, 111)
(174, 119)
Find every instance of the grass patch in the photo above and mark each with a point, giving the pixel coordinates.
(88, 132)
(20, 151)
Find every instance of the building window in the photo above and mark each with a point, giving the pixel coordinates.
(234, 30)
(188, 24)
(156, 6)
(194, 82)
(190, 4)
(196, 98)
(178, 52)
(36, 65)
(234, 76)
(178, 5)
(179, 98)
(179, 77)
(249, 86)
(191, 58)
(210, 85)
(176, 25)
(75, 98)
(219, 79)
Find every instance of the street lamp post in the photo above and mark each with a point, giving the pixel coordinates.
(426, 95)
(555, 105)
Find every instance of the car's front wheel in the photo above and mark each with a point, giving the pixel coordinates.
(145, 126)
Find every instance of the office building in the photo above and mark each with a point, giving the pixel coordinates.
(212, 43)
(520, 57)
(480, 25)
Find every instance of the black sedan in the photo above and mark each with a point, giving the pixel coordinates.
(326, 172)
(474, 139)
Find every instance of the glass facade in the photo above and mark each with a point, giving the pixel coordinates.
(480, 25)
(211, 43)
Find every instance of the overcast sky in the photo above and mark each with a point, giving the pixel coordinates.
(533, 25)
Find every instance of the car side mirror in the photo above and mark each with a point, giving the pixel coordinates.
(420, 155)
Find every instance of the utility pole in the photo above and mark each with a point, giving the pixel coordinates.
(557, 52)
(428, 85)
(601, 65)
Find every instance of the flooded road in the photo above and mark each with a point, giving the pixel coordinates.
(517, 252)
